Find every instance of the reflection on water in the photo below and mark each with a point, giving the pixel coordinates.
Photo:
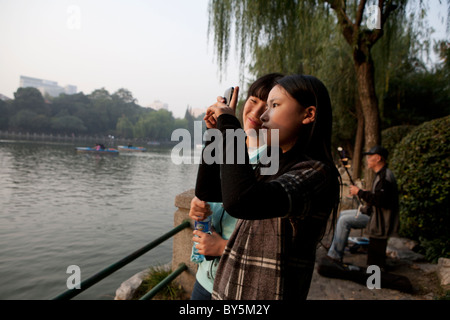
(59, 208)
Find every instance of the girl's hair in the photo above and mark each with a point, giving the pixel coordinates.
(314, 141)
(261, 88)
(315, 138)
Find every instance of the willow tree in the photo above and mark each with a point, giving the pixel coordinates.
(261, 23)
(316, 47)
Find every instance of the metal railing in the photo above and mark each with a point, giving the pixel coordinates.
(121, 263)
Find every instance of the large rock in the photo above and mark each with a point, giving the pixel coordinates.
(128, 287)
(401, 248)
(402, 243)
(443, 271)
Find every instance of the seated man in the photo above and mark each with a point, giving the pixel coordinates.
(380, 215)
(348, 219)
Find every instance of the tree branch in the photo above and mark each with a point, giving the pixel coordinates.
(359, 14)
(348, 28)
(390, 7)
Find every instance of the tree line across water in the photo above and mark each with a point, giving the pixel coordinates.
(98, 113)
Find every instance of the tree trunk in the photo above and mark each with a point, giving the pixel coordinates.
(369, 105)
(359, 140)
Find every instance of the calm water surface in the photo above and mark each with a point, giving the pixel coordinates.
(59, 208)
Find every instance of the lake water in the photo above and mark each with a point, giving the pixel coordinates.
(59, 208)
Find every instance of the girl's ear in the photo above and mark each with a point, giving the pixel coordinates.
(310, 115)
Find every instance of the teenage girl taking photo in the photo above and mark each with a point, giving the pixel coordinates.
(212, 245)
(282, 217)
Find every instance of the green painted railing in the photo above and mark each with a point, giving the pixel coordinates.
(119, 264)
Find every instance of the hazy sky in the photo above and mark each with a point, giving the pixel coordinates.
(157, 49)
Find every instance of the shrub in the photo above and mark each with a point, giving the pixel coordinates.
(421, 164)
(392, 136)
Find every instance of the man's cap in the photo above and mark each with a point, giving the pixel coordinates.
(378, 150)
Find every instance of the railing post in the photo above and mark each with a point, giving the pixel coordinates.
(182, 242)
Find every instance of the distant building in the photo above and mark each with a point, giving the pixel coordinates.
(46, 86)
(157, 105)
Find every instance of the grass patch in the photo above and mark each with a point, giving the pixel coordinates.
(170, 292)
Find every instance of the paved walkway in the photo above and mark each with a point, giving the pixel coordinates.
(421, 275)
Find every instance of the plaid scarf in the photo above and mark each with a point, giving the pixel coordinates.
(273, 259)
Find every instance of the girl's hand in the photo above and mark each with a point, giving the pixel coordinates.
(210, 120)
(209, 244)
(219, 108)
(200, 210)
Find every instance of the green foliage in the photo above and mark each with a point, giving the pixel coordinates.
(4, 115)
(274, 34)
(181, 123)
(23, 119)
(124, 127)
(435, 248)
(30, 99)
(416, 96)
(67, 125)
(156, 125)
(391, 137)
(421, 164)
(99, 113)
(124, 95)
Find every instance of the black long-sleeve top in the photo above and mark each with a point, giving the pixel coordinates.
(271, 253)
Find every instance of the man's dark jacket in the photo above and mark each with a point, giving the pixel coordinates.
(383, 205)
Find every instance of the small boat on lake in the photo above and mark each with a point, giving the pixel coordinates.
(130, 148)
(97, 150)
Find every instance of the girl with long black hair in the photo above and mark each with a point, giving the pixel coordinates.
(282, 217)
(212, 245)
